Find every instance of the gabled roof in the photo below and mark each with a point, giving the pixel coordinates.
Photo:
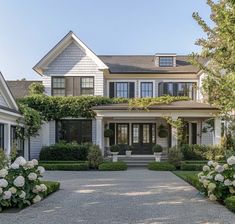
(124, 64)
(8, 97)
(58, 48)
(20, 88)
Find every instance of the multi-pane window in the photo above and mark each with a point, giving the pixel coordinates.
(17, 140)
(58, 86)
(166, 61)
(2, 136)
(122, 89)
(146, 89)
(178, 89)
(74, 130)
(122, 134)
(87, 86)
(146, 133)
(135, 134)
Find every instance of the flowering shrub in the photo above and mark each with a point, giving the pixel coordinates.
(218, 180)
(20, 184)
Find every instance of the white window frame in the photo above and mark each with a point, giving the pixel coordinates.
(154, 87)
(123, 80)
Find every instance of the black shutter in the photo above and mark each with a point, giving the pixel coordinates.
(112, 139)
(175, 89)
(111, 89)
(131, 90)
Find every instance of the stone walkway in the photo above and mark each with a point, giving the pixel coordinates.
(133, 196)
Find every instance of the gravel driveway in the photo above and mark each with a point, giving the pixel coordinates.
(133, 196)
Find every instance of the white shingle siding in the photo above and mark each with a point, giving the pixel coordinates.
(74, 62)
(2, 101)
(52, 132)
(207, 138)
(35, 145)
(46, 81)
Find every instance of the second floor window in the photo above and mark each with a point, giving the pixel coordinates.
(178, 89)
(122, 89)
(87, 86)
(146, 89)
(72, 86)
(58, 86)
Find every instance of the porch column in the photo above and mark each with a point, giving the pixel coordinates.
(217, 131)
(100, 133)
(8, 139)
(174, 140)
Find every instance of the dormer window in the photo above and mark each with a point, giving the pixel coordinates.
(166, 61)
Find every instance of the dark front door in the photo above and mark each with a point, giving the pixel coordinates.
(143, 138)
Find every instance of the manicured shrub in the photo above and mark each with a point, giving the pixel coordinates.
(115, 148)
(175, 156)
(94, 157)
(65, 151)
(66, 166)
(191, 166)
(217, 180)
(161, 166)
(52, 186)
(230, 203)
(113, 166)
(202, 152)
(157, 148)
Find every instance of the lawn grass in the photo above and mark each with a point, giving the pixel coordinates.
(190, 177)
(52, 186)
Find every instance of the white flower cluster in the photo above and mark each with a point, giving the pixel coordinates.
(216, 178)
(20, 181)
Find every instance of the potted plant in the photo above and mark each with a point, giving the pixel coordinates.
(108, 133)
(129, 149)
(162, 131)
(157, 151)
(114, 149)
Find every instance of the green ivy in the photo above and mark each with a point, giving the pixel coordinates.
(38, 108)
(145, 103)
(32, 120)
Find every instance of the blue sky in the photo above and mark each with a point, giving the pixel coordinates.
(29, 29)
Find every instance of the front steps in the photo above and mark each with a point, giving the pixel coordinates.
(140, 160)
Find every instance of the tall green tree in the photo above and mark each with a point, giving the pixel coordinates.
(217, 58)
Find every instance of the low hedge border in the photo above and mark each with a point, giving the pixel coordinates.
(230, 203)
(66, 166)
(52, 186)
(161, 166)
(113, 166)
(191, 166)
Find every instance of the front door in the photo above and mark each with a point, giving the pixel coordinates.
(143, 137)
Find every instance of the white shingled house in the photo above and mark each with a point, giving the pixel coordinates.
(10, 118)
(72, 69)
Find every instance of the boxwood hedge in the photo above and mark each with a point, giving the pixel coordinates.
(113, 166)
(161, 166)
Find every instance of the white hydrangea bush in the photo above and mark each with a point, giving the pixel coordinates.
(218, 180)
(20, 184)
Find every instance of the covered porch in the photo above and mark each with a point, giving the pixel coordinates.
(141, 128)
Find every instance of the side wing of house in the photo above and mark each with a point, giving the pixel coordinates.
(10, 117)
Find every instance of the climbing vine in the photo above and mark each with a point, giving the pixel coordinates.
(179, 125)
(145, 103)
(38, 108)
(32, 121)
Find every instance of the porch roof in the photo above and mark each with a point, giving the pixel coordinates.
(177, 105)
